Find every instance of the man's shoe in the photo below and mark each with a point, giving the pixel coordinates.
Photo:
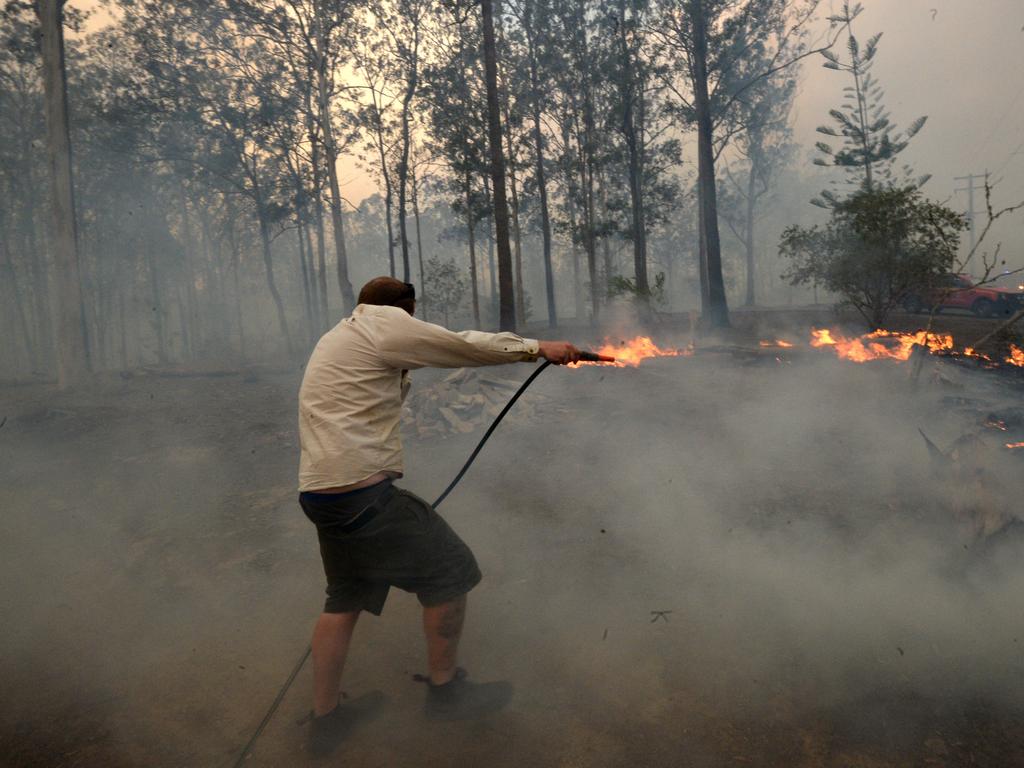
(460, 699)
(328, 731)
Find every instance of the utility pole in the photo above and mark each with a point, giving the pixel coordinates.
(970, 189)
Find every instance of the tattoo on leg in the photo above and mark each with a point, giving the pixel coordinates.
(451, 620)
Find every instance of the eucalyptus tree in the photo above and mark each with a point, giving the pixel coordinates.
(455, 106)
(314, 38)
(764, 146)
(373, 108)
(514, 96)
(72, 339)
(869, 140)
(641, 127)
(506, 299)
(534, 19)
(706, 44)
(219, 109)
(397, 34)
(23, 253)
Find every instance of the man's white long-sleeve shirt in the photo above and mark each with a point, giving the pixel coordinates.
(350, 402)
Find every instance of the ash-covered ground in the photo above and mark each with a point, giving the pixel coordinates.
(704, 561)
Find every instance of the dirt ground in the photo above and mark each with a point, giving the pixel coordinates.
(701, 562)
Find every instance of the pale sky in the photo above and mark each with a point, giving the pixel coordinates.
(961, 62)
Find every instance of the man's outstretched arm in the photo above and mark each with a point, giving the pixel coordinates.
(405, 342)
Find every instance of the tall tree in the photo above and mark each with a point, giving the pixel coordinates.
(762, 149)
(72, 342)
(458, 125)
(870, 140)
(707, 42)
(328, 22)
(534, 17)
(506, 297)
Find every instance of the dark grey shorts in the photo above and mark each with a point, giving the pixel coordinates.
(383, 536)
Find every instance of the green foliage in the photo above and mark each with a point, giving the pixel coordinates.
(444, 287)
(879, 245)
(869, 141)
(626, 286)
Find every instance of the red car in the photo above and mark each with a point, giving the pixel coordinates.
(959, 292)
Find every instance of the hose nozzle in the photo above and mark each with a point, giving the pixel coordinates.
(593, 357)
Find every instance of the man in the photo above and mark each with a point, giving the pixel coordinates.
(372, 534)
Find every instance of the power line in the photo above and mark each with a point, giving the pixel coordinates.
(1019, 150)
(996, 123)
(970, 189)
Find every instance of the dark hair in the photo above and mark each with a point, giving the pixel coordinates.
(389, 292)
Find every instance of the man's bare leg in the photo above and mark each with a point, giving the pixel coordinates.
(442, 625)
(331, 639)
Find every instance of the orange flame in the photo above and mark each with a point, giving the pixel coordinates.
(634, 351)
(1016, 356)
(776, 343)
(1014, 446)
(880, 345)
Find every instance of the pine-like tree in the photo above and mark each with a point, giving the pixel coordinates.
(870, 140)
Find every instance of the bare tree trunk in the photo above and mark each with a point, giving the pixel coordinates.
(348, 298)
(468, 188)
(506, 302)
(73, 361)
(182, 323)
(235, 258)
(389, 215)
(492, 273)
(517, 239)
(157, 309)
(419, 236)
(386, 176)
(307, 294)
(589, 243)
(19, 305)
(751, 207)
(403, 165)
(188, 274)
(606, 246)
(636, 193)
(41, 304)
(542, 189)
(574, 227)
(268, 266)
(517, 236)
(318, 220)
(545, 216)
(716, 310)
(319, 311)
(577, 282)
(702, 251)
(588, 163)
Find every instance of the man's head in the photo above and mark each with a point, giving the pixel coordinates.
(389, 292)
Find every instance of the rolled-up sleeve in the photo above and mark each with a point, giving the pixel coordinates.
(405, 342)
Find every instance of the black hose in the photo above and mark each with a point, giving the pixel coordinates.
(273, 707)
(451, 486)
(490, 430)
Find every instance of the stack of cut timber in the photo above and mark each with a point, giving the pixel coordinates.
(460, 403)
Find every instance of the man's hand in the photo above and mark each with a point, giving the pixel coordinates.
(559, 352)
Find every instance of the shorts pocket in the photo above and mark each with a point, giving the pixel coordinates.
(415, 507)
